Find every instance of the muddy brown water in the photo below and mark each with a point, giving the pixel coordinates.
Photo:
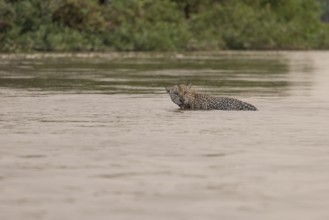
(94, 136)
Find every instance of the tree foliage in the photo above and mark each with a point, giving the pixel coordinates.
(148, 25)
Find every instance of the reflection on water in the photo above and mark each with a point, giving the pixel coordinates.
(94, 136)
(145, 74)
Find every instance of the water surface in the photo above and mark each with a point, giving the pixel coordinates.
(94, 136)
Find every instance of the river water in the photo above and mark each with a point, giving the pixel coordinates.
(94, 136)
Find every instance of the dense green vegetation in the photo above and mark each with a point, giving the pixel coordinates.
(163, 25)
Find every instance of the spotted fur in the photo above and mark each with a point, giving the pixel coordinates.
(186, 98)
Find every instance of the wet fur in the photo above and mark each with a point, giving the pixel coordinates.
(186, 98)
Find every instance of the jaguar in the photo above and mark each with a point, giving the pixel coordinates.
(187, 98)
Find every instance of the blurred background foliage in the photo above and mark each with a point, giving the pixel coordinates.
(162, 25)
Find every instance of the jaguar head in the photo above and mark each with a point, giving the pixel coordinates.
(176, 94)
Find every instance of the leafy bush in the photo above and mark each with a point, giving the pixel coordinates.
(147, 25)
(163, 25)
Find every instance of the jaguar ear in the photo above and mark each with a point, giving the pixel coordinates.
(189, 85)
